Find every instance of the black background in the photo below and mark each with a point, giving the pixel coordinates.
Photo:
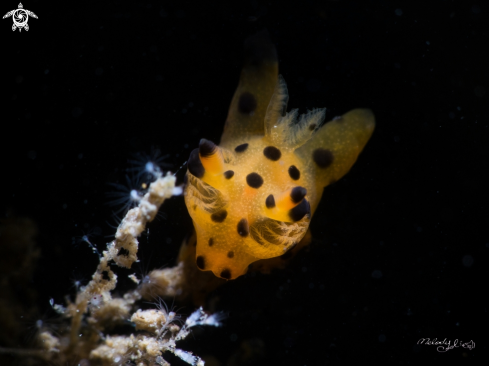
(400, 244)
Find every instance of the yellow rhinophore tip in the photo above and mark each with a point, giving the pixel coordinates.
(211, 157)
(281, 206)
(290, 198)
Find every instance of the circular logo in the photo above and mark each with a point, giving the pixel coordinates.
(20, 17)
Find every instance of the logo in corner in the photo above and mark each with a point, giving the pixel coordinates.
(20, 17)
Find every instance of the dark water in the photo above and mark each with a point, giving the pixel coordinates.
(400, 248)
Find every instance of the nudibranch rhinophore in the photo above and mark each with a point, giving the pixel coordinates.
(253, 196)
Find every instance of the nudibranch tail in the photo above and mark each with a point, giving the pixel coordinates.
(256, 86)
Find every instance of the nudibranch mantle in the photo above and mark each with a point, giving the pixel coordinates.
(253, 196)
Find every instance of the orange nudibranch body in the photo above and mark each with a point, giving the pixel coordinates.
(253, 196)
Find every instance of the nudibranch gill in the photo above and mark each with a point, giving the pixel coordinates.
(253, 196)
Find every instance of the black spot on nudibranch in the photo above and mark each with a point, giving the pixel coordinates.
(323, 157)
(228, 174)
(299, 211)
(226, 274)
(241, 148)
(243, 228)
(254, 180)
(294, 173)
(207, 148)
(200, 262)
(272, 153)
(194, 164)
(230, 254)
(312, 127)
(247, 103)
(219, 216)
(297, 194)
(211, 242)
(270, 201)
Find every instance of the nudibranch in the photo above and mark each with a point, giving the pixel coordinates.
(253, 196)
